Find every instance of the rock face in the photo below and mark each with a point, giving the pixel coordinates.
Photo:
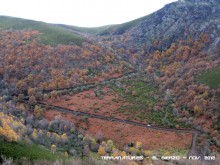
(178, 20)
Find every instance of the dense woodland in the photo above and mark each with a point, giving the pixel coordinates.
(23, 60)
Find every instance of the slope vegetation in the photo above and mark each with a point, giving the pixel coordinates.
(50, 34)
(174, 48)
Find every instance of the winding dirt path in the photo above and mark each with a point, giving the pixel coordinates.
(192, 150)
(195, 133)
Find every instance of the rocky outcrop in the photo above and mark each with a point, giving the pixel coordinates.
(178, 20)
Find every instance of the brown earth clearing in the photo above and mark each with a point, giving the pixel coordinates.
(122, 133)
(87, 101)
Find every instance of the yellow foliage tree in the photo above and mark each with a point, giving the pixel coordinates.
(147, 153)
(198, 110)
(101, 151)
(66, 154)
(34, 134)
(110, 144)
(64, 137)
(38, 112)
(53, 148)
(138, 145)
(123, 154)
(6, 131)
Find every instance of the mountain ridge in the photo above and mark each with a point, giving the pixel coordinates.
(178, 20)
(52, 34)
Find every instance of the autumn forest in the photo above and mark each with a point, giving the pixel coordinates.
(149, 87)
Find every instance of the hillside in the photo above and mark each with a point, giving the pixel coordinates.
(179, 46)
(50, 34)
(93, 31)
(178, 20)
(147, 87)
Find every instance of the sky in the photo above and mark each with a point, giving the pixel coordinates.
(83, 13)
